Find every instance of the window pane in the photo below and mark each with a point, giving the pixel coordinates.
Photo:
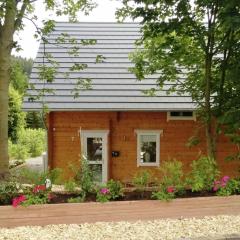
(148, 148)
(94, 149)
(97, 172)
(181, 114)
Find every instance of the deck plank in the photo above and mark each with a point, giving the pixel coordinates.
(117, 211)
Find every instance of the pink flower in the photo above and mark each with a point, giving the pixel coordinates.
(216, 182)
(215, 188)
(170, 189)
(18, 200)
(225, 179)
(39, 188)
(104, 191)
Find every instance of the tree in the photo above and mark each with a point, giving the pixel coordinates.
(195, 45)
(12, 13)
(16, 117)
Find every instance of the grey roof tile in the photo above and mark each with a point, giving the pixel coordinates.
(113, 86)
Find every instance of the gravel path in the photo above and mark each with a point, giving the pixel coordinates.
(210, 227)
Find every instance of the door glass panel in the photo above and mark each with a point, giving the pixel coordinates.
(97, 172)
(94, 148)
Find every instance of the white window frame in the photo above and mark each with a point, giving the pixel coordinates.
(191, 118)
(156, 133)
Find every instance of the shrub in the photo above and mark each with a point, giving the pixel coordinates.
(204, 172)
(172, 182)
(79, 199)
(26, 175)
(172, 175)
(226, 186)
(163, 195)
(30, 143)
(84, 176)
(17, 151)
(37, 195)
(9, 190)
(115, 188)
(70, 186)
(103, 194)
(141, 180)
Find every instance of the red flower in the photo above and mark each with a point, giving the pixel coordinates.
(170, 189)
(18, 200)
(39, 188)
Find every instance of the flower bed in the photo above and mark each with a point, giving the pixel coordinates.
(203, 180)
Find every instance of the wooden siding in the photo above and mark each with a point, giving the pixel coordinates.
(64, 139)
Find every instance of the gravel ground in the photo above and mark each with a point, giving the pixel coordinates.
(210, 227)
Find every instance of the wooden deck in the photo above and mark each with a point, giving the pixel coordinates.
(117, 211)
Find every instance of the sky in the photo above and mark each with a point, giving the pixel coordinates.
(105, 12)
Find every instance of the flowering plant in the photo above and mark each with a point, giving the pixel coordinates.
(37, 195)
(222, 183)
(18, 200)
(226, 186)
(170, 189)
(103, 194)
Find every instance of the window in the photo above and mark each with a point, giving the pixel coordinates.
(148, 147)
(181, 115)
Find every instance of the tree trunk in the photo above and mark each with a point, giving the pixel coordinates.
(6, 43)
(210, 139)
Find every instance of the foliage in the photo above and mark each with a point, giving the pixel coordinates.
(17, 151)
(227, 186)
(9, 190)
(18, 78)
(84, 176)
(25, 64)
(103, 194)
(163, 195)
(35, 177)
(196, 47)
(30, 143)
(172, 182)
(34, 120)
(78, 199)
(37, 195)
(142, 179)
(70, 185)
(115, 188)
(16, 117)
(204, 172)
(11, 22)
(171, 173)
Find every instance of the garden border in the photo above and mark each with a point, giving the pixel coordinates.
(118, 211)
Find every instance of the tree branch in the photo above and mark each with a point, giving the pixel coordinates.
(20, 15)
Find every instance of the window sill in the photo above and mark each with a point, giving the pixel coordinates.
(148, 165)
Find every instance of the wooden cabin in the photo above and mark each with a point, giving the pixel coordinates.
(113, 123)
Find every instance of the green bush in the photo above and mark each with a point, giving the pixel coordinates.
(35, 177)
(79, 199)
(8, 191)
(70, 186)
(172, 182)
(204, 172)
(83, 176)
(171, 173)
(115, 188)
(230, 187)
(30, 143)
(17, 151)
(142, 179)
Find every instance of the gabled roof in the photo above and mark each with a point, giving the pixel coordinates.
(113, 87)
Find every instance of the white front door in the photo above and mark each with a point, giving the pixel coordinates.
(94, 145)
